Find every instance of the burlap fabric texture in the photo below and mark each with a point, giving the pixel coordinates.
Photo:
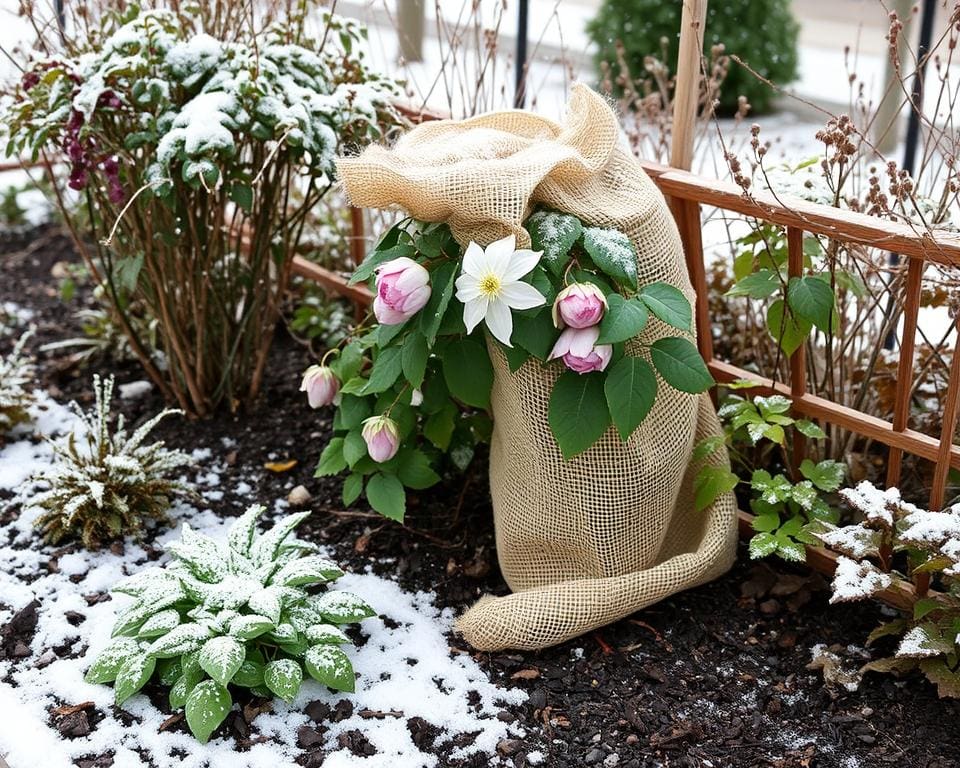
(588, 541)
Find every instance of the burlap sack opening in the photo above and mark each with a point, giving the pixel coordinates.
(584, 542)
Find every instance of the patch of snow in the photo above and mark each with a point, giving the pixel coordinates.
(135, 389)
(855, 581)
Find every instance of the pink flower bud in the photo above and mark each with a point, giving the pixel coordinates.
(321, 385)
(382, 437)
(579, 305)
(403, 287)
(579, 350)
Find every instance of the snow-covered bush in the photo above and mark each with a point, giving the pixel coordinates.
(892, 538)
(103, 483)
(241, 612)
(199, 159)
(16, 392)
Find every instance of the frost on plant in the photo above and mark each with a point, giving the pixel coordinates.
(249, 612)
(16, 393)
(893, 541)
(105, 483)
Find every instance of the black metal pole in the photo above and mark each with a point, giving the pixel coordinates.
(912, 139)
(61, 20)
(520, 76)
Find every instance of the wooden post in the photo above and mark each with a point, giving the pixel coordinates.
(686, 94)
(410, 23)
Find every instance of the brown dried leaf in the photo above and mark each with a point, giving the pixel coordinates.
(280, 466)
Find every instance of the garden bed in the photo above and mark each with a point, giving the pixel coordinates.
(714, 676)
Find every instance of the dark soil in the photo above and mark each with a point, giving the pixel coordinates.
(716, 676)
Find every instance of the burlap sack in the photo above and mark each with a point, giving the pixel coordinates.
(584, 542)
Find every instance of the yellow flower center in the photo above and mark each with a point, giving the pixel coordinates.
(490, 285)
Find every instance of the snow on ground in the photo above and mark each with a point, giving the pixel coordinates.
(405, 665)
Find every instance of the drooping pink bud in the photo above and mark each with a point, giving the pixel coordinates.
(382, 437)
(578, 349)
(321, 385)
(403, 288)
(579, 305)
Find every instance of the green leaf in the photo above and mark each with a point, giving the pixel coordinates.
(710, 484)
(439, 426)
(132, 676)
(377, 257)
(283, 677)
(679, 363)
(111, 659)
(207, 707)
(242, 195)
(249, 675)
(623, 320)
(128, 272)
(352, 411)
(668, 304)
(578, 413)
(758, 285)
(790, 331)
(707, 447)
(762, 545)
(386, 370)
(613, 253)
(536, 335)
(414, 470)
(182, 639)
(554, 234)
(766, 522)
(329, 665)
(325, 633)
(354, 447)
(630, 389)
(924, 606)
(431, 316)
(827, 475)
(160, 623)
(352, 488)
(516, 356)
(250, 626)
(468, 372)
(331, 461)
(810, 429)
(386, 495)
(812, 300)
(221, 657)
(414, 358)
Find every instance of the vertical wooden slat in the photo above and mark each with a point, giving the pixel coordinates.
(687, 215)
(686, 94)
(901, 408)
(951, 410)
(357, 244)
(798, 360)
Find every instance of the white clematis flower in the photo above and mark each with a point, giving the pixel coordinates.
(490, 286)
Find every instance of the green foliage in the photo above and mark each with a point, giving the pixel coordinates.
(434, 380)
(762, 33)
(199, 151)
(104, 483)
(788, 512)
(253, 611)
(891, 541)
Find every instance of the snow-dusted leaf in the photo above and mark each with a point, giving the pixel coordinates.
(221, 657)
(325, 633)
(810, 429)
(283, 677)
(182, 639)
(612, 251)
(341, 607)
(141, 581)
(329, 665)
(132, 676)
(302, 616)
(148, 604)
(923, 641)
(265, 548)
(203, 556)
(207, 707)
(242, 532)
(826, 475)
(106, 666)
(249, 627)
(856, 541)
(160, 623)
(267, 603)
(554, 234)
(307, 570)
(762, 545)
(284, 633)
(922, 527)
(855, 581)
(876, 505)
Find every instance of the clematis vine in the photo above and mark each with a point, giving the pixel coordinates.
(490, 286)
